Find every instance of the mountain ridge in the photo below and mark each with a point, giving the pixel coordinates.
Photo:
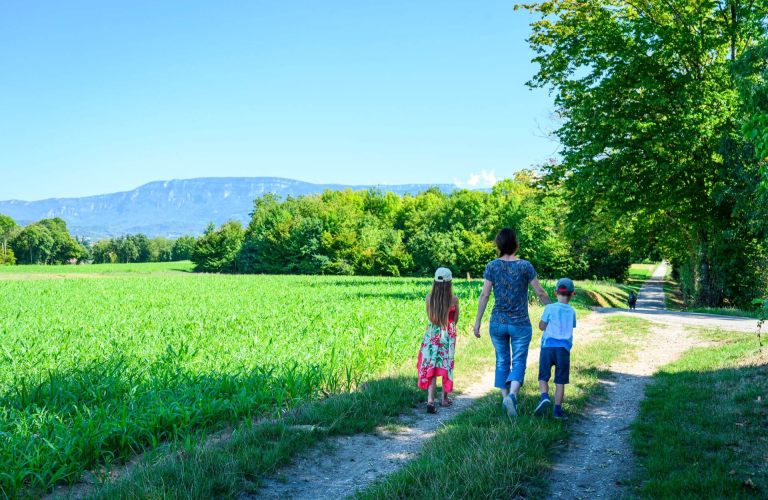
(174, 207)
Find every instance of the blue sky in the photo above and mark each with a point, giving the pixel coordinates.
(99, 96)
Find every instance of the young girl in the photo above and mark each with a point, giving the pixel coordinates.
(439, 343)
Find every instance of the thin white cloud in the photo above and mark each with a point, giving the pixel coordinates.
(484, 179)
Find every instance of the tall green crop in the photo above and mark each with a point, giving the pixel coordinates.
(93, 371)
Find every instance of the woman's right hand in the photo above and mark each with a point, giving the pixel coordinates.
(477, 330)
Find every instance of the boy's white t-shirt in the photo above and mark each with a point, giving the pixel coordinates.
(560, 320)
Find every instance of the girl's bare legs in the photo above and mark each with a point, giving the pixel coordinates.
(431, 391)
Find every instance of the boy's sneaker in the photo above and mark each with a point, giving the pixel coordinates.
(560, 414)
(544, 405)
(510, 404)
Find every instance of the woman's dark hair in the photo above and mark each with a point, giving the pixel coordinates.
(506, 242)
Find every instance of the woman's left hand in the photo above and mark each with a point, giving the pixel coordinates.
(477, 330)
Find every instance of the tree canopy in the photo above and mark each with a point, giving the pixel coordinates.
(46, 242)
(651, 132)
(379, 233)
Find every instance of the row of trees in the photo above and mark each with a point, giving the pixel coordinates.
(45, 242)
(140, 248)
(663, 126)
(49, 242)
(377, 233)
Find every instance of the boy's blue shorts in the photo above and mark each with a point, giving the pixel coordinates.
(560, 357)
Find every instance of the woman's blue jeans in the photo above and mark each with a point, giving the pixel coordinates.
(518, 338)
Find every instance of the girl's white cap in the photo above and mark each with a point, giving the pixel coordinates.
(443, 274)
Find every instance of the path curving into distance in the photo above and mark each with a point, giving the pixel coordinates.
(599, 457)
(651, 306)
(651, 294)
(594, 465)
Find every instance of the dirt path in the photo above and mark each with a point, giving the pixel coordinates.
(597, 460)
(599, 457)
(353, 462)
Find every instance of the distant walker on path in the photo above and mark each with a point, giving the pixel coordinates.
(632, 299)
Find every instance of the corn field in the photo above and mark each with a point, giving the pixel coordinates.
(93, 371)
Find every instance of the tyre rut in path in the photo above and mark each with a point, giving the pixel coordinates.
(599, 456)
(356, 461)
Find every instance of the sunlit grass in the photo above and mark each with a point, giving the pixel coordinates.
(146, 268)
(642, 271)
(702, 426)
(96, 370)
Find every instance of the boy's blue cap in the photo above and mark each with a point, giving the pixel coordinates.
(565, 285)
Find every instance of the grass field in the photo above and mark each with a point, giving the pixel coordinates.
(641, 271)
(718, 397)
(95, 371)
(95, 270)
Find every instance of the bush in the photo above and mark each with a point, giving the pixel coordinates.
(8, 259)
(217, 250)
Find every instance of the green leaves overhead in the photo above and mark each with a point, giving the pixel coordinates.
(651, 124)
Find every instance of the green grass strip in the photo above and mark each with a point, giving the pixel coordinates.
(703, 426)
(481, 454)
(223, 470)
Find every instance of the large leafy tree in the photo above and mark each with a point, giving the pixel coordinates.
(650, 127)
(33, 244)
(182, 247)
(65, 248)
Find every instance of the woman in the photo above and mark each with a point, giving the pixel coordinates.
(509, 278)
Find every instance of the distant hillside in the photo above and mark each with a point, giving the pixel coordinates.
(172, 208)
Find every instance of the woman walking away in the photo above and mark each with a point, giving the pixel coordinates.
(439, 343)
(510, 328)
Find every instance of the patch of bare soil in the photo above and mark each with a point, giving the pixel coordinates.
(598, 457)
(353, 462)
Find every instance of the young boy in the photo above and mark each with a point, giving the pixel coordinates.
(557, 323)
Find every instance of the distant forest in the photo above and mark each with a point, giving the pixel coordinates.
(372, 232)
(49, 242)
(354, 233)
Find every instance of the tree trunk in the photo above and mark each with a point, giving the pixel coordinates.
(708, 291)
(733, 32)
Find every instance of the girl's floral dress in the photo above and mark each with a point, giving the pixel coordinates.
(436, 353)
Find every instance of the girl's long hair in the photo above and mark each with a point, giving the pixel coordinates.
(440, 302)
